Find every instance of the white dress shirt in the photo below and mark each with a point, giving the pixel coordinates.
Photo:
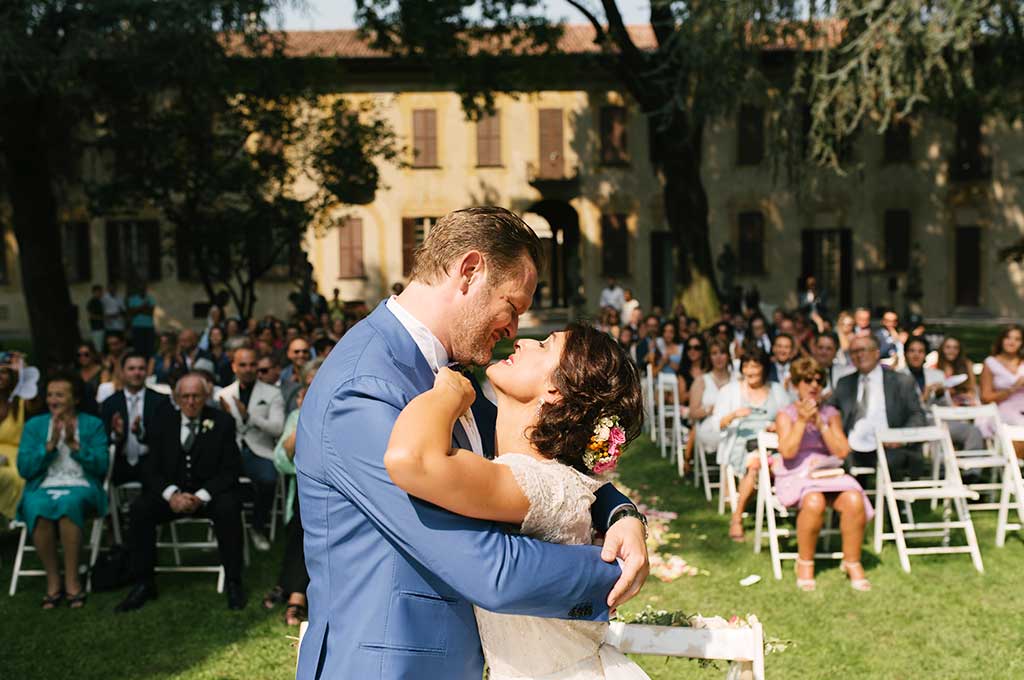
(862, 436)
(436, 355)
(171, 489)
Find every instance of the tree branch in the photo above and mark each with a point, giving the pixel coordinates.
(600, 35)
(662, 21)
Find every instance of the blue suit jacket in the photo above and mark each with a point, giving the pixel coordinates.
(392, 578)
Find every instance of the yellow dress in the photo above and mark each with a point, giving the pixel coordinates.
(11, 483)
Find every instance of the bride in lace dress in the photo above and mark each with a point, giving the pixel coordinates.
(566, 405)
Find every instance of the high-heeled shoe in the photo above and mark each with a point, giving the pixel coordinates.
(807, 585)
(861, 584)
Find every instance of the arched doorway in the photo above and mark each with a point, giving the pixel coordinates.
(562, 273)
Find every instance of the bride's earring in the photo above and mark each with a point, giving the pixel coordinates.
(540, 405)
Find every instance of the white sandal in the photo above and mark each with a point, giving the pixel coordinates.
(861, 584)
(808, 585)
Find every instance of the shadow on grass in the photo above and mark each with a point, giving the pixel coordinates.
(188, 632)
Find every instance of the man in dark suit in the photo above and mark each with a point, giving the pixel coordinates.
(129, 415)
(875, 398)
(192, 469)
(782, 357)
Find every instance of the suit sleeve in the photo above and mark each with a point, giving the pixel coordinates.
(492, 569)
(231, 460)
(606, 500)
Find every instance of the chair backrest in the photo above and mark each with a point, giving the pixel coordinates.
(985, 412)
(766, 441)
(1008, 434)
(937, 437)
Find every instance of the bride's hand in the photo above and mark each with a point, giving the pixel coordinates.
(456, 389)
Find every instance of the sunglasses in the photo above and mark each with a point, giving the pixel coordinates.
(301, 351)
(814, 380)
(690, 347)
(263, 370)
(85, 353)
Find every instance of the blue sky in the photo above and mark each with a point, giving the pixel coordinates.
(327, 14)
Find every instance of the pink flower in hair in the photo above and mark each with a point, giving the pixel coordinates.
(617, 436)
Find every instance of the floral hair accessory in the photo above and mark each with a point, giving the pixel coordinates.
(604, 449)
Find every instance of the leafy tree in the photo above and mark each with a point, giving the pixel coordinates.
(855, 64)
(62, 62)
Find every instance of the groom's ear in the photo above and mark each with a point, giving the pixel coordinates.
(470, 269)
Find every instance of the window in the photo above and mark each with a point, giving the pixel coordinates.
(488, 141)
(897, 143)
(350, 248)
(414, 230)
(614, 148)
(751, 240)
(897, 240)
(424, 138)
(76, 251)
(614, 245)
(750, 135)
(967, 266)
(133, 250)
(970, 156)
(552, 144)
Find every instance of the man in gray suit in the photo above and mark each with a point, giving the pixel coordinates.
(874, 398)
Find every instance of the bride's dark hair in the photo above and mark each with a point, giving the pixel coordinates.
(596, 379)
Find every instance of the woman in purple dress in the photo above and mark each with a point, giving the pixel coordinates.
(807, 476)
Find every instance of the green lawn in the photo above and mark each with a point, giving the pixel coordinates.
(942, 621)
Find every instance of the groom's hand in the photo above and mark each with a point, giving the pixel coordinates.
(625, 541)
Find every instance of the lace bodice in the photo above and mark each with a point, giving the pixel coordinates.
(531, 647)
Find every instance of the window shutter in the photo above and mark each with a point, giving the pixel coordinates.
(614, 149)
(153, 255)
(408, 244)
(488, 140)
(897, 143)
(751, 240)
(750, 135)
(424, 133)
(614, 245)
(350, 243)
(114, 252)
(552, 165)
(897, 240)
(183, 255)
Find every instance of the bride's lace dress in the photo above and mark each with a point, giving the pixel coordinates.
(552, 649)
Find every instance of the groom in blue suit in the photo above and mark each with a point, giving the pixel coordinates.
(393, 580)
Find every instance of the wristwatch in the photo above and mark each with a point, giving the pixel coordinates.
(628, 511)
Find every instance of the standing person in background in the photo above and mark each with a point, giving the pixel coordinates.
(629, 305)
(336, 307)
(113, 309)
(814, 302)
(141, 304)
(94, 309)
(258, 410)
(613, 296)
(951, 360)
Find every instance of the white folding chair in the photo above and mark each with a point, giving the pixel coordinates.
(989, 459)
(277, 507)
(770, 511)
(949, 489)
(94, 542)
(176, 545)
(1012, 491)
(650, 422)
(742, 647)
(670, 426)
(702, 468)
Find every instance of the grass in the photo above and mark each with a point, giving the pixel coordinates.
(941, 621)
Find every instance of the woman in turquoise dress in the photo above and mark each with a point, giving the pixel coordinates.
(63, 459)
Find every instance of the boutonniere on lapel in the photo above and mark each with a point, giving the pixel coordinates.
(206, 425)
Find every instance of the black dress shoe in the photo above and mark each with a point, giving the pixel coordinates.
(137, 597)
(236, 595)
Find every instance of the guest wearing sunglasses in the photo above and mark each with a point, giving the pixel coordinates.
(812, 446)
(267, 371)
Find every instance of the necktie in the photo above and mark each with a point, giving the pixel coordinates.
(132, 450)
(865, 392)
(190, 439)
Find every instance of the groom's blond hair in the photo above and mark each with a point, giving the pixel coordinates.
(499, 234)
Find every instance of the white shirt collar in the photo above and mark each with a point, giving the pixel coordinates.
(430, 347)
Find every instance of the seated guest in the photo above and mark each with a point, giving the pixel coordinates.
(889, 342)
(292, 582)
(743, 410)
(758, 335)
(609, 322)
(862, 321)
(666, 354)
(874, 398)
(191, 469)
(694, 365)
(220, 356)
(1002, 378)
(63, 459)
(813, 302)
(258, 410)
(647, 337)
(308, 373)
(811, 438)
(627, 341)
(13, 410)
(268, 371)
(128, 416)
(188, 346)
(931, 387)
(846, 332)
(167, 359)
(323, 346)
(951, 360)
(826, 348)
(782, 355)
(90, 370)
(298, 354)
(705, 393)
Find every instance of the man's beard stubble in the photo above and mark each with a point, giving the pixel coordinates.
(471, 339)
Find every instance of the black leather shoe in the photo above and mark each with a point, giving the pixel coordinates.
(137, 597)
(236, 595)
